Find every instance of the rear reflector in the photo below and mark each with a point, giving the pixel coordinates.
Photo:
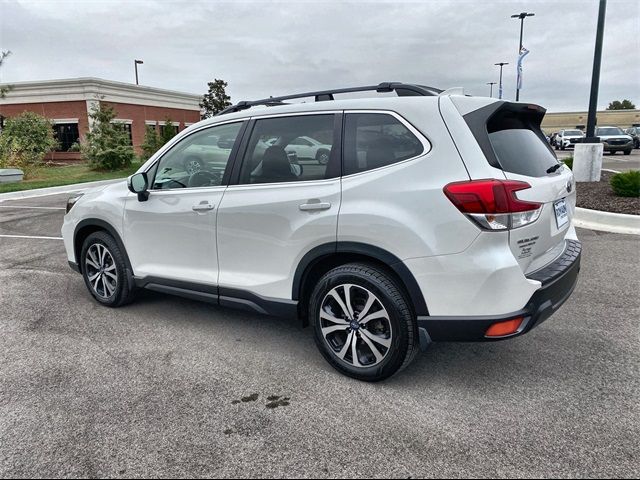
(502, 329)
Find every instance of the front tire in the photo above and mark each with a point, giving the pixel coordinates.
(363, 324)
(105, 271)
(627, 152)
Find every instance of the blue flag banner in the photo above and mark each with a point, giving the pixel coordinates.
(523, 53)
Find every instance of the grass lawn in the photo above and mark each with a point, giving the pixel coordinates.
(66, 175)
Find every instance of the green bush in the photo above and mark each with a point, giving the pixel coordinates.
(626, 184)
(24, 142)
(151, 143)
(568, 162)
(107, 145)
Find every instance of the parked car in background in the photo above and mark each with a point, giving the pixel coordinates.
(615, 140)
(307, 148)
(568, 138)
(634, 132)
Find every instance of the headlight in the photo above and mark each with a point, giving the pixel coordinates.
(73, 200)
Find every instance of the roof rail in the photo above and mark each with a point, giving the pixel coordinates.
(402, 90)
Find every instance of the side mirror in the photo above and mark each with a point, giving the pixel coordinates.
(138, 183)
(296, 169)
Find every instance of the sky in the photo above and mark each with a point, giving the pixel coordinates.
(277, 48)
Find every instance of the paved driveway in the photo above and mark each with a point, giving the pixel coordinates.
(172, 387)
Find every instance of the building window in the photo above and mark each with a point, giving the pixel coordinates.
(67, 135)
(173, 129)
(127, 128)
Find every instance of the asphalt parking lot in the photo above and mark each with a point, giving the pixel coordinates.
(618, 161)
(171, 387)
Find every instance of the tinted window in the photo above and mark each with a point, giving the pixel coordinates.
(573, 132)
(373, 140)
(276, 153)
(522, 151)
(198, 160)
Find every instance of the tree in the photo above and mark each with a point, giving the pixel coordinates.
(167, 132)
(25, 141)
(621, 105)
(151, 143)
(107, 145)
(216, 99)
(4, 89)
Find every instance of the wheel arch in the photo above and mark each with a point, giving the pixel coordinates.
(323, 258)
(91, 225)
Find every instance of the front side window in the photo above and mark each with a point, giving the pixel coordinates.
(67, 135)
(373, 140)
(288, 149)
(198, 160)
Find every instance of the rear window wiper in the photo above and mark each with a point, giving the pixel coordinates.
(554, 168)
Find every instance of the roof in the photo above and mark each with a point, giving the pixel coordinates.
(90, 88)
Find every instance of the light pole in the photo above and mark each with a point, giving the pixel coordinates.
(491, 84)
(595, 77)
(521, 16)
(136, 63)
(501, 64)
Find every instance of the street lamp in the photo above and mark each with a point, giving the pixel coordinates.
(501, 64)
(136, 63)
(521, 16)
(491, 84)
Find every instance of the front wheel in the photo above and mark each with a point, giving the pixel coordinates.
(362, 322)
(104, 270)
(627, 152)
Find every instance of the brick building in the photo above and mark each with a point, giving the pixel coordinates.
(66, 103)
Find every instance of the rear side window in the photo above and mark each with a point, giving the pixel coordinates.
(373, 140)
(289, 149)
(519, 144)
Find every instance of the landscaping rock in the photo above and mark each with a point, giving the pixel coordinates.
(600, 196)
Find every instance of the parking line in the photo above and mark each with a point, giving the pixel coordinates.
(30, 237)
(35, 208)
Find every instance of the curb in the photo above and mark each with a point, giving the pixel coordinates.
(41, 192)
(607, 221)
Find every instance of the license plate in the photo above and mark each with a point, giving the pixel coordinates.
(562, 214)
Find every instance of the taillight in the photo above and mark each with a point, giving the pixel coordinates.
(493, 203)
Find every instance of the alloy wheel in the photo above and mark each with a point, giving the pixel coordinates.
(356, 325)
(101, 271)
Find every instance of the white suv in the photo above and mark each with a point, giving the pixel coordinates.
(437, 217)
(568, 139)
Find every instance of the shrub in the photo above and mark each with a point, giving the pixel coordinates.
(151, 143)
(107, 145)
(24, 142)
(626, 184)
(568, 162)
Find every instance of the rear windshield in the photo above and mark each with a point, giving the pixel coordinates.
(521, 151)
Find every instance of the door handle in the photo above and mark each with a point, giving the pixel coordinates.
(202, 207)
(309, 207)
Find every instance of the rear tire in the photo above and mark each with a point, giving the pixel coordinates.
(377, 335)
(104, 270)
(627, 152)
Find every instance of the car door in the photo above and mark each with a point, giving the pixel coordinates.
(171, 236)
(273, 214)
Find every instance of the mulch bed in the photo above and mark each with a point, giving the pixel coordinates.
(600, 196)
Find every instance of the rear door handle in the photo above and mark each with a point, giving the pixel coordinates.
(308, 207)
(203, 206)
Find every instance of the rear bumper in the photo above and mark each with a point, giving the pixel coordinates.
(558, 281)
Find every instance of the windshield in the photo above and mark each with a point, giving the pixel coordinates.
(608, 131)
(573, 132)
